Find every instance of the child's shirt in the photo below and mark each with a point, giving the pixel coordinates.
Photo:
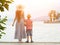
(28, 24)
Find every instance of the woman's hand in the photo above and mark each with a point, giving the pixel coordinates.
(13, 24)
(25, 23)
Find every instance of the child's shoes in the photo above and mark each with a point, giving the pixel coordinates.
(31, 41)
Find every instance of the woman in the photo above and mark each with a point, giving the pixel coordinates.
(19, 18)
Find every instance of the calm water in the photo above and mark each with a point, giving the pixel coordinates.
(41, 32)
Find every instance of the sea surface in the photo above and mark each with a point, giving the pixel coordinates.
(42, 32)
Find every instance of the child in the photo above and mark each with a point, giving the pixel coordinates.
(28, 25)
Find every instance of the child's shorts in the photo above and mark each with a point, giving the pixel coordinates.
(29, 32)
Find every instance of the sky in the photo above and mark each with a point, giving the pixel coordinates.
(36, 8)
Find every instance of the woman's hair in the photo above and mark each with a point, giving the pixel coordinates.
(19, 12)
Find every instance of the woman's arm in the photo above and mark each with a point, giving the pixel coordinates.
(24, 19)
(14, 20)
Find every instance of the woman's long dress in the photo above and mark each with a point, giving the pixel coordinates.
(20, 30)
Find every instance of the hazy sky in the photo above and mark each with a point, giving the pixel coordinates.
(35, 7)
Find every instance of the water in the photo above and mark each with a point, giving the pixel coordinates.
(42, 32)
